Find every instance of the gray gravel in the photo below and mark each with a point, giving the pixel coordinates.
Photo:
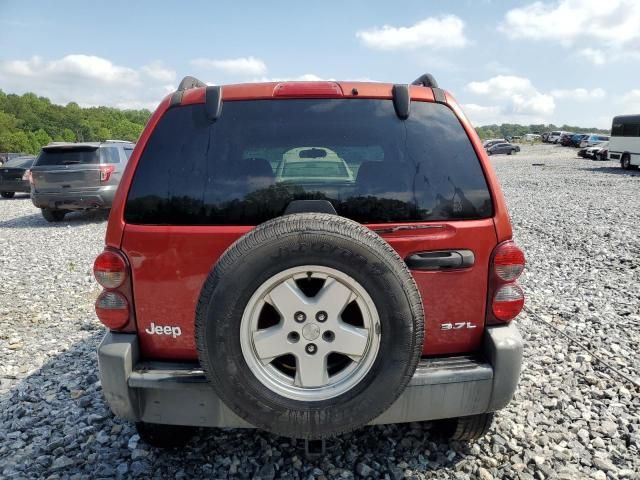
(579, 223)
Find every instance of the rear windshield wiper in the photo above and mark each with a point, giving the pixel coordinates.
(70, 162)
(405, 227)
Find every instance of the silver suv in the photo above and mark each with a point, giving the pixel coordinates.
(77, 176)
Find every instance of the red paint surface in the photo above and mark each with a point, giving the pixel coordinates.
(170, 264)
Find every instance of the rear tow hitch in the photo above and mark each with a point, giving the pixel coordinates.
(314, 449)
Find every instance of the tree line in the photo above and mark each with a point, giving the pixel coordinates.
(28, 122)
(511, 129)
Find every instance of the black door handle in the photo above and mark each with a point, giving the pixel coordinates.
(440, 260)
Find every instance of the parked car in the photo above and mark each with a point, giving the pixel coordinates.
(14, 176)
(77, 176)
(624, 145)
(601, 152)
(317, 164)
(296, 306)
(545, 136)
(577, 138)
(488, 143)
(6, 156)
(506, 148)
(592, 140)
(565, 139)
(594, 152)
(554, 137)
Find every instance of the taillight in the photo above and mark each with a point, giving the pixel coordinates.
(505, 296)
(508, 262)
(114, 306)
(105, 172)
(508, 302)
(112, 309)
(110, 269)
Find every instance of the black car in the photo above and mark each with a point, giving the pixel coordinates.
(506, 148)
(12, 176)
(565, 139)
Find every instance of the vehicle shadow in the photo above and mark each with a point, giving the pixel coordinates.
(57, 421)
(18, 196)
(607, 168)
(36, 220)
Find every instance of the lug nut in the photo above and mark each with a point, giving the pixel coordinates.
(299, 317)
(321, 316)
(293, 337)
(328, 336)
(311, 348)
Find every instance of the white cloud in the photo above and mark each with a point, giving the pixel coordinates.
(305, 77)
(516, 97)
(612, 27)
(435, 32)
(88, 80)
(233, 66)
(579, 94)
(482, 115)
(595, 56)
(157, 71)
(630, 102)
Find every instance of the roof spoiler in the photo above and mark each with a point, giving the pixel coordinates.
(213, 96)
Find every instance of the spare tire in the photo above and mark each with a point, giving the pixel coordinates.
(309, 326)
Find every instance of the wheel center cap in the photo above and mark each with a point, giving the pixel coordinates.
(311, 331)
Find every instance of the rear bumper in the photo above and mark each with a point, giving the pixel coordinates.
(179, 394)
(75, 200)
(15, 186)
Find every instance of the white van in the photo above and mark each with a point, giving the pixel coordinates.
(624, 144)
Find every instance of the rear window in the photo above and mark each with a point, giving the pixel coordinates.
(260, 155)
(68, 156)
(110, 155)
(20, 162)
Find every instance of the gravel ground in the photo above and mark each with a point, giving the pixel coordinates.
(577, 221)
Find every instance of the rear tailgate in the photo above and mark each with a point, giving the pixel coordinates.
(11, 174)
(67, 168)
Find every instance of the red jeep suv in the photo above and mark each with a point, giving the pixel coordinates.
(308, 258)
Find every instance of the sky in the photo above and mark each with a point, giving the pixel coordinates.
(564, 62)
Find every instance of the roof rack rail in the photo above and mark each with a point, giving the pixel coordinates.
(117, 141)
(190, 82)
(425, 80)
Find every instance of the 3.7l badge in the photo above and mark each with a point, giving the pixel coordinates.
(457, 326)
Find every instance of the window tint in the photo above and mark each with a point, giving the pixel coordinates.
(110, 155)
(128, 152)
(631, 130)
(68, 156)
(260, 155)
(20, 162)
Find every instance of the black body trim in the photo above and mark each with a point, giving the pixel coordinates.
(438, 94)
(425, 80)
(440, 260)
(213, 103)
(401, 101)
(190, 82)
(310, 206)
